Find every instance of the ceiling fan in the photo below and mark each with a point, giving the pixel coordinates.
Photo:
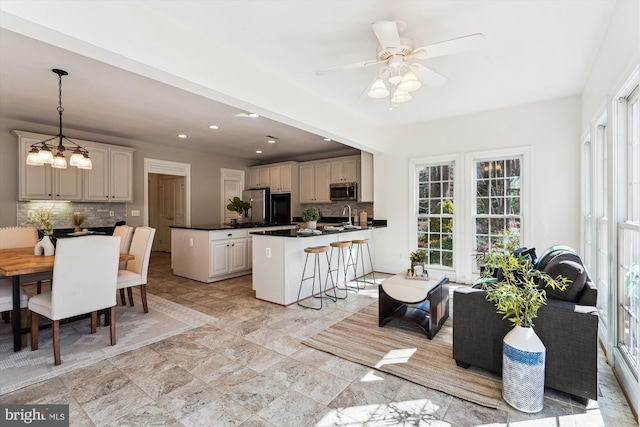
(396, 54)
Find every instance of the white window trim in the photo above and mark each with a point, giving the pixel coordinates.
(458, 215)
(526, 230)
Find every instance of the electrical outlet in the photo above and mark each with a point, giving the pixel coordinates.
(111, 213)
(268, 253)
(135, 213)
(30, 214)
(190, 241)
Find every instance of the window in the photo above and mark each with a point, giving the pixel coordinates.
(435, 213)
(497, 201)
(629, 238)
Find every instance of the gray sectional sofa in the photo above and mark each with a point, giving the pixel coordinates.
(567, 325)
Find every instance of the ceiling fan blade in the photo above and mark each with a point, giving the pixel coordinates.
(323, 71)
(387, 33)
(428, 76)
(449, 47)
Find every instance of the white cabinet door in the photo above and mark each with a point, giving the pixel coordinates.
(218, 258)
(96, 179)
(323, 171)
(344, 170)
(275, 178)
(285, 178)
(254, 178)
(67, 183)
(237, 255)
(307, 183)
(121, 179)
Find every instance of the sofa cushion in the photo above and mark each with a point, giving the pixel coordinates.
(568, 265)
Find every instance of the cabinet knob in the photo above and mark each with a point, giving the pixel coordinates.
(229, 235)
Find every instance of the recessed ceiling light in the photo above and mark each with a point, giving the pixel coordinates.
(327, 139)
(214, 127)
(253, 115)
(182, 135)
(271, 141)
(258, 151)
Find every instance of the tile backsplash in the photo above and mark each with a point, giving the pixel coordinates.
(95, 214)
(335, 209)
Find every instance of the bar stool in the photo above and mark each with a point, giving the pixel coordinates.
(316, 251)
(360, 251)
(341, 246)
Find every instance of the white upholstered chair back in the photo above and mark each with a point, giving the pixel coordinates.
(141, 249)
(125, 233)
(85, 274)
(18, 237)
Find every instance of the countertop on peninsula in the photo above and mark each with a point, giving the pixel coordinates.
(214, 227)
(297, 234)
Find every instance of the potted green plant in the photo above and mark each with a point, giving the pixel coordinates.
(239, 206)
(311, 215)
(517, 295)
(418, 258)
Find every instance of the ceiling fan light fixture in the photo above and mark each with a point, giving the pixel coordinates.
(378, 89)
(400, 96)
(409, 82)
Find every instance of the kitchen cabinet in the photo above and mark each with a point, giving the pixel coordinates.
(111, 178)
(280, 178)
(227, 256)
(314, 182)
(45, 182)
(260, 177)
(344, 170)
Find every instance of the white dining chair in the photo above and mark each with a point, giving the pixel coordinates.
(22, 237)
(136, 272)
(125, 233)
(6, 304)
(85, 274)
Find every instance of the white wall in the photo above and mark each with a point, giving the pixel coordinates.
(550, 129)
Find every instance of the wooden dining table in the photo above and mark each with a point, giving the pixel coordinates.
(16, 262)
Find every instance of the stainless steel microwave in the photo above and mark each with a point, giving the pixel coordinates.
(344, 191)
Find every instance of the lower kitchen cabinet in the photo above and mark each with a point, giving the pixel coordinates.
(227, 256)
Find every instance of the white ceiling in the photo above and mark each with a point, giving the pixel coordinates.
(534, 50)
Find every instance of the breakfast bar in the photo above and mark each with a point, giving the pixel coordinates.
(279, 257)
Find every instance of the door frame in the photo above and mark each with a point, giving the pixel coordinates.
(166, 167)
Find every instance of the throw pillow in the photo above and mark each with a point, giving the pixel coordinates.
(569, 265)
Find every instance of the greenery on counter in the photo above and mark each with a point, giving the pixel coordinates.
(310, 214)
(238, 205)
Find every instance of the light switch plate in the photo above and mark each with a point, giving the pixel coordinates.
(135, 213)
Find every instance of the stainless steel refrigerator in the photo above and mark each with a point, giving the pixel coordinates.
(260, 200)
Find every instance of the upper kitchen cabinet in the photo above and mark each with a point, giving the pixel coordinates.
(45, 182)
(314, 182)
(282, 176)
(259, 177)
(111, 178)
(344, 169)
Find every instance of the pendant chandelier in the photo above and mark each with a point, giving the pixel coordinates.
(42, 153)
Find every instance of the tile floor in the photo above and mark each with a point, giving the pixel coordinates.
(249, 368)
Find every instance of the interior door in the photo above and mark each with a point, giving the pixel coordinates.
(171, 203)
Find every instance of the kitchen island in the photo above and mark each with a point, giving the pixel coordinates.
(278, 260)
(213, 252)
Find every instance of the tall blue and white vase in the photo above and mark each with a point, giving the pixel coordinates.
(523, 358)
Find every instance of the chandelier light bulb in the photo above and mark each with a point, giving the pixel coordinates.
(378, 89)
(409, 82)
(76, 158)
(33, 158)
(86, 162)
(59, 161)
(46, 156)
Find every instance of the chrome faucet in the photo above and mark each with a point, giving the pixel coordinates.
(343, 211)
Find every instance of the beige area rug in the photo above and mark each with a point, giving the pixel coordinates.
(79, 348)
(406, 352)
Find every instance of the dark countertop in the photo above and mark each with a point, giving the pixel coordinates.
(294, 233)
(214, 227)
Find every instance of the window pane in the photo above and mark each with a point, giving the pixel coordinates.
(482, 189)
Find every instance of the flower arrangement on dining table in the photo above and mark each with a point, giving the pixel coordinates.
(42, 221)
